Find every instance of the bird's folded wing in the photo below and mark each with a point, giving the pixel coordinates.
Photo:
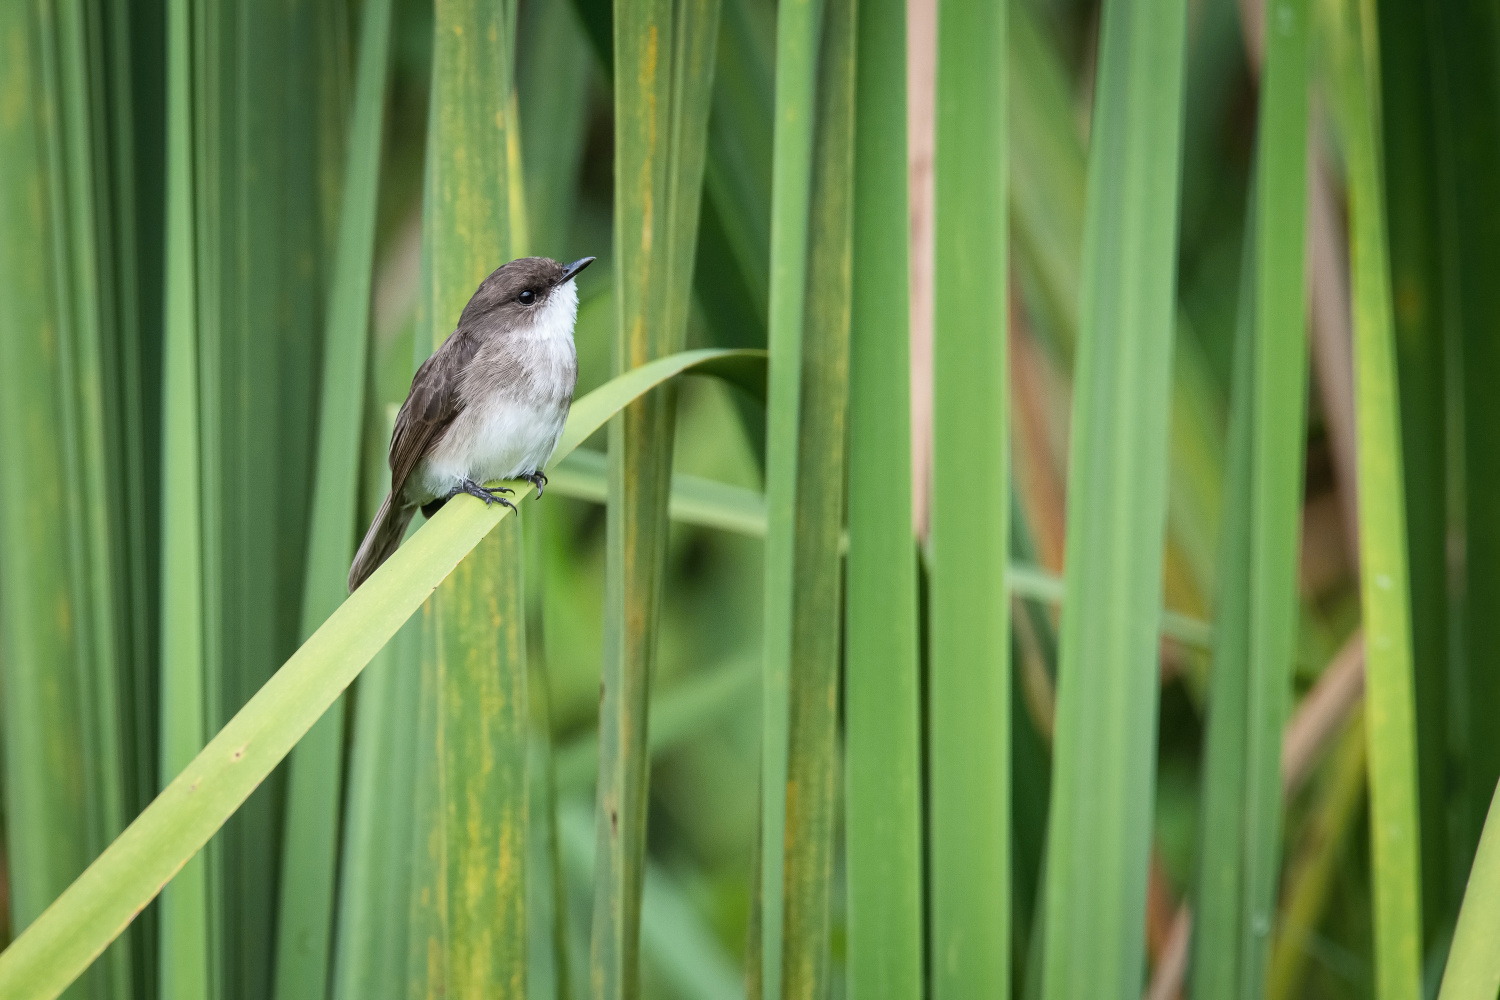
(431, 406)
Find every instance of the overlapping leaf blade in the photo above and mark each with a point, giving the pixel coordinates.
(171, 831)
(1103, 772)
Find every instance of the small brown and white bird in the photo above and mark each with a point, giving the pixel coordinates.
(489, 404)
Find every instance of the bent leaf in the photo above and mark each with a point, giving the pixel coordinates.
(102, 902)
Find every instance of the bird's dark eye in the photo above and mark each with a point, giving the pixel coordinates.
(527, 297)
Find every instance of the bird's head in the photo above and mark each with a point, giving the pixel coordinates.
(525, 291)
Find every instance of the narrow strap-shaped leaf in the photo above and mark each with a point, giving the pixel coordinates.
(883, 823)
(305, 924)
(468, 891)
(62, 942)
(731, 275)
(818, 513)
(677, 714)
(663, 77)
(58, 652)
(1390, 713)
(1047, 178)
(547, 913)
(1311, 877)
(1277, 445)
(1219, 891)
(1419, 193)
(798, 27)
(1463, 39)
(730, 266)
(1105, 745)
(642, 52)
(970, 623)
(375, 860)
(554, 70)
(184, 968)
(268, 111)
(674, 941)
(137, 281)
(375, 855)
(709, 503)
(64, 38)
(1047, 191)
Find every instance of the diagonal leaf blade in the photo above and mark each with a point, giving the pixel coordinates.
(97, 907)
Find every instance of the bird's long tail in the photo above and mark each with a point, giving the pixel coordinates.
(385, 534)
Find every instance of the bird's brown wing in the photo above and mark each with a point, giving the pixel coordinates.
(430, 407)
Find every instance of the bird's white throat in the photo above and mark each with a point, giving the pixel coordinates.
(555, 320)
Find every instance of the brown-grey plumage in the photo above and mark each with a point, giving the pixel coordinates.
(490, 403)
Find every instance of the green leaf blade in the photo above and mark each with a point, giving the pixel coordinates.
(798, 29)
(1278, 438)
(169, 833)
(663, 75)
(1099, 839)
(1390, 708)
(1473, 969)
(314, 787)
(184, 961)
(815, 592)
(883, 784)
(970, 629)
(468, 892)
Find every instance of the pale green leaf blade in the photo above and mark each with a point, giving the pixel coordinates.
(168, 834)
(969, 679)
(1473, 970)
(1104, 766)
(184, 962)
(1219, 891)
(1278, 437)
(1390, 711)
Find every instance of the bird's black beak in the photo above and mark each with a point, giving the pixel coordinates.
(571, 271)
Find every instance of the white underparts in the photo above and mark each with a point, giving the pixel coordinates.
(507, 430)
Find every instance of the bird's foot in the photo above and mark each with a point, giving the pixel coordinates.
(489, 496)
(535, 479)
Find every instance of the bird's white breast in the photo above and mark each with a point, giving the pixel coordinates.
(516, 391)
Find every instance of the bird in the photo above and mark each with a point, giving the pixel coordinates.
(490, 403)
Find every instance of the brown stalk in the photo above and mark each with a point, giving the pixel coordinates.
(1321, 714)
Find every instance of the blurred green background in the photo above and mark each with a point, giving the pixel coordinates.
(1385, 136)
